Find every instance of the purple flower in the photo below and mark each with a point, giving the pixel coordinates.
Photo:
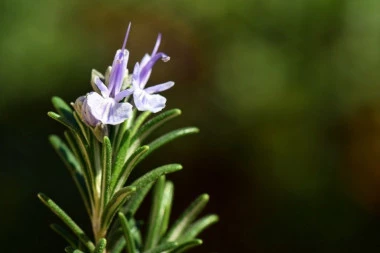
(107, 107)
(146, 99)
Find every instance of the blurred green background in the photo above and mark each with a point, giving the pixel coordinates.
(286, 94)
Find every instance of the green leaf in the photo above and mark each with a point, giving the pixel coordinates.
(132, 204)
(74, 168)
(155, 174)
(114, 205)
(63, 121)
(156, 215)
(167, 200)
(67, 220)
(198, 227)
(139, 121)
(63, 109)
(187, 245)
(154, 123)
(187, 217)
(101, 246)
(65, 234)
(120, 177)
(163, 247)
(65, 154)
(78, 251)
(106, 171)
(121, 133)
(129, 242)
(69, 249)
(119, 246)
(84, 130)
(122, 153)
(168, 138)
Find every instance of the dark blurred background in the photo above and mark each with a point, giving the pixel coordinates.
(286, 94)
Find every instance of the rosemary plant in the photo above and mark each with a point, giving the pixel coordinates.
(103, 143)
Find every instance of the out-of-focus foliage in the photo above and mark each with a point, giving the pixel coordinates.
(286, 94)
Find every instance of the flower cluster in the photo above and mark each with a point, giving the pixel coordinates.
(108, 105)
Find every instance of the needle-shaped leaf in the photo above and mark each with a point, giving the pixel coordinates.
(74, 168)
(84, 130)
(154, 123)
(63, 109)
(119, 246)
(120, 177)
(122, 152)
(155, 174)
(198, 226)
(139, 121)
(67, 220)
(63, 121)
(65, 154)
(186, 218)
(114, 205)
(163, 247)
(69, 249)
(168, 138)
(186, 246)
(101, 246)
(129, 242)
(156, 215)
(133, 203)
(167, 200)
(65, 234)
(106, 170)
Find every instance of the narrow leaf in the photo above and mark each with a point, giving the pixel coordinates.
(65, 234)
(167, 200)
(78, 251)
(119, 246)
(115, 203)
(129, 242)
(67, 220)
(156, 215)
(74, 167)
(122, 153)
(101, 246)
(63, 109)
(139, 121)
(84, 130)
(120, 177)
(155, 174)
(154, 123)
(187, 245)
(65, 153)
(69, 249)
(63, 121)
(106, 171)
(198, 227)
(133, 203)
(187, 217)
(168, 138)
(163, 247)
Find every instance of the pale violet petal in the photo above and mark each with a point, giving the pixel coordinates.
(147, 102)
(156, 46)
(107, 110)
(119, 113)
(103, 89)
(145, 60)
(118, 71)
(146, 69)
(123, 94)
(159, 87)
